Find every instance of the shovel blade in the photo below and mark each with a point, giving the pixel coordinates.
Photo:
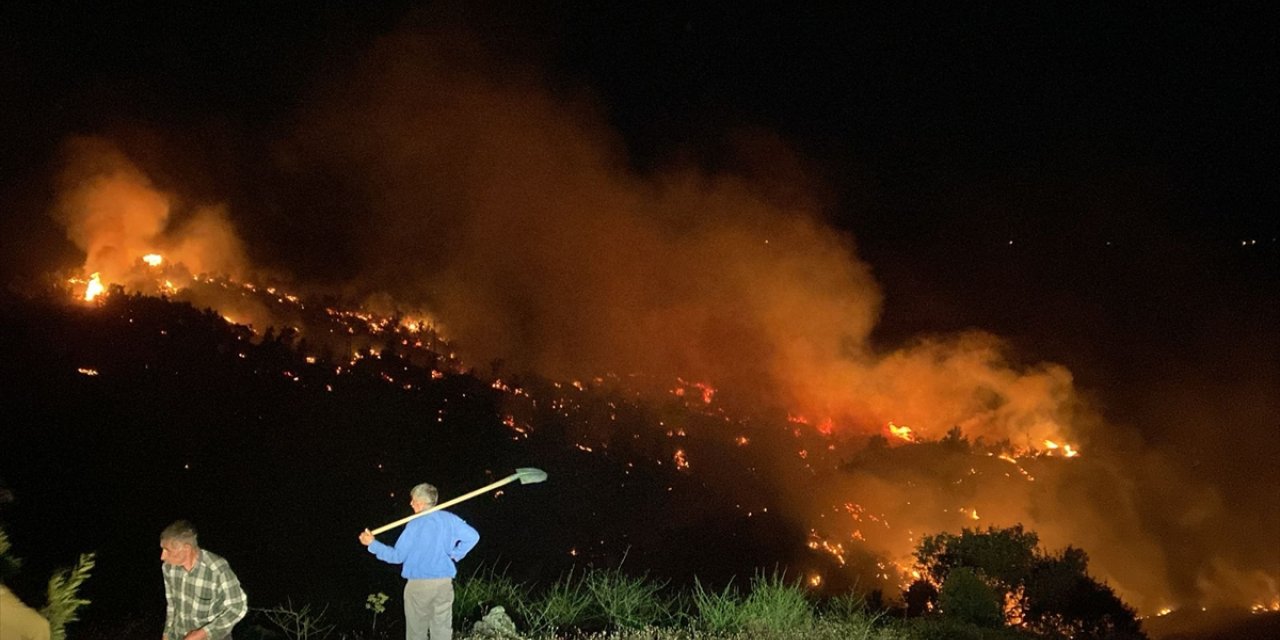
(530, 475)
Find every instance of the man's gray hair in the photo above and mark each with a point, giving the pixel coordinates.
(425, 493)
(180, 531)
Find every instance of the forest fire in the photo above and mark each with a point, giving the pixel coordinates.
(866, 529)
(826, 426)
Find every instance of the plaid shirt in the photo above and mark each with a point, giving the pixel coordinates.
(208, 597)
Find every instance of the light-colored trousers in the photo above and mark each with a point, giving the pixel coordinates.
(428, 609)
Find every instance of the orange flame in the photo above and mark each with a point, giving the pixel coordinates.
(95, 287)
(681, 460)
(902, 432)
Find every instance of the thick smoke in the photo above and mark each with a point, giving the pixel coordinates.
(516, 215)
(113, 212)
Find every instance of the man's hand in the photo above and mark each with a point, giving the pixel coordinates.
(198, 634)
(366, 537)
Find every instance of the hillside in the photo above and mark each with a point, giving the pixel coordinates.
(137, 410)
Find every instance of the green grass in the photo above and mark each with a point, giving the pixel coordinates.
(565, 604)
(607, 604)
(629, 602)
(485, 588)
(777, 605)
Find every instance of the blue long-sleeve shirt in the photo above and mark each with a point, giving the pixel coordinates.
(429, 546)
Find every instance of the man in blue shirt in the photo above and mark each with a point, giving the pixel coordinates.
(427, 549)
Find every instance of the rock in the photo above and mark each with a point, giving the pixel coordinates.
(495, 624)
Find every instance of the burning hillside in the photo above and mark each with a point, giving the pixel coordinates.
(864, 499)
(713, 314)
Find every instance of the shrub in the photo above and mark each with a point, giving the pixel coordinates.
(846, 607)
(298, 623)
(64, 596)
(965, 597)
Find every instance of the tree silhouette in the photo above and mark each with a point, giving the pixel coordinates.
(1045, 594)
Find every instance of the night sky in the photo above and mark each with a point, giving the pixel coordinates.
(1093, 183)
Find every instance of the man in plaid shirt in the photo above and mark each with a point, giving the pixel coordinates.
(204, 595)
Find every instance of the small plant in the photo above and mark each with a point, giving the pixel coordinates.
(64, 596)
(846, 606)
(566, 603)
(718, 611)
(298, 624)
(776, 605)
(474, 596)
(64, 599)
(9, 564)
(377, 603)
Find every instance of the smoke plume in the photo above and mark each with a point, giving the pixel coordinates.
(513, 212)
(113, 212)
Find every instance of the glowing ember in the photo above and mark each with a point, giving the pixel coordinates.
(682, 461)
(87, 371)
(826, 427)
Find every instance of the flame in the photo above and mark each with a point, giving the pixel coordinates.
(902, 432)
(95, 287)
(826, 427)
(153, 259)
(681, 460)
(1066, 449)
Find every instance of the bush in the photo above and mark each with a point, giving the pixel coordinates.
(965, 597)
(940, 628)
(64, 596)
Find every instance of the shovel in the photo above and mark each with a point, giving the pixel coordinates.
(526, 475)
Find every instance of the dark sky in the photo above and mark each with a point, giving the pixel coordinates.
(1093, 182)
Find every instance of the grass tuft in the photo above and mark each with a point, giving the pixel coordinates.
(629, 602)
(475, 595)
(563, 605)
